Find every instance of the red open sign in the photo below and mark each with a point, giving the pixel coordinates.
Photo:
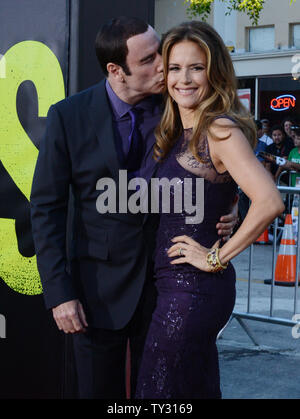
(283, 103)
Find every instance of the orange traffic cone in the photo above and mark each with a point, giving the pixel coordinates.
(263, 238)
(285, 271)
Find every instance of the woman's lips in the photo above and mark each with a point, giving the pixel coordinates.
(186, 92)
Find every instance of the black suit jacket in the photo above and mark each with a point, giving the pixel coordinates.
(110, 253)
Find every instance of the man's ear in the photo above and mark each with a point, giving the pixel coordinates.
(116, 72)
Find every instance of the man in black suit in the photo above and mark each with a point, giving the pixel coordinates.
(103, 290)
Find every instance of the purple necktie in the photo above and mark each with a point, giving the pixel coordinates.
(136, 144)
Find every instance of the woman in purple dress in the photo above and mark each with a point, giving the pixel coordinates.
(205, 139)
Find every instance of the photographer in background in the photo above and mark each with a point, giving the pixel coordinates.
(280, 148)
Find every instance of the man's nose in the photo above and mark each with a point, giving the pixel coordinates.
(159, 63)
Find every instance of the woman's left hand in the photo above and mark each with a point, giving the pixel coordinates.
(189, 251)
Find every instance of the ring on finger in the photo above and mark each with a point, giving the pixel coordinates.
(180, 251)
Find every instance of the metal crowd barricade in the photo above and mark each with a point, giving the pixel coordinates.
(289, 174)
(240, 316)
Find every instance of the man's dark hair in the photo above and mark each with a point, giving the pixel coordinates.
(258, 124)
(296, 129)
(278, 128)
(111, 41)
(288, 119)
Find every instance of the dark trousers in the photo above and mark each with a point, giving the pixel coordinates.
(100, 354)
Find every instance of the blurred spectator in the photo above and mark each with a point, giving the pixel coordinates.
(280, 147)
(264, 133)
(261, 145)
(244, 201)
(293, 162)
(287, 124)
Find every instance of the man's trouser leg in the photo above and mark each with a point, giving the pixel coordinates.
(100, 354)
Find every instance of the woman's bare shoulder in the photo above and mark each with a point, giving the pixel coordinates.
(223, 127)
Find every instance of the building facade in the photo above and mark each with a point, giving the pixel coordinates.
(266, 57)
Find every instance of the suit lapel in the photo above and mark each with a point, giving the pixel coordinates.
(100, 115)
(151, 172)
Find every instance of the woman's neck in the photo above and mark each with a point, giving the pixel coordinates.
(187, 117)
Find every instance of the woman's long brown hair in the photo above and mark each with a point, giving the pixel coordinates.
(222, 98)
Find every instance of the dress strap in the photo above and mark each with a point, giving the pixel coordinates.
(226, 117)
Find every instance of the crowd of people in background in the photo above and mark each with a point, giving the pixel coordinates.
(277, 141)
(283, 141)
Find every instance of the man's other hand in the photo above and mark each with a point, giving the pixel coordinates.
(70, 317)
(227, 222)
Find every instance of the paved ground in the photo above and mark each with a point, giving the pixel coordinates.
(271, 369)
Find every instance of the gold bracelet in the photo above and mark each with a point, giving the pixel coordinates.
(213, 260)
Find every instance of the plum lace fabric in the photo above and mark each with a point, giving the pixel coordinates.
(205, 168)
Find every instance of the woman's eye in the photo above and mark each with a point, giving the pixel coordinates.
(198, 68)
(174, 68)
